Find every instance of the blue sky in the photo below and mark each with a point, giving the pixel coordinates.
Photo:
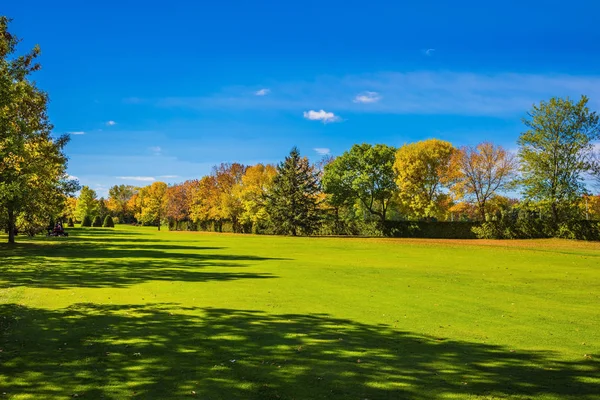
(165, 90)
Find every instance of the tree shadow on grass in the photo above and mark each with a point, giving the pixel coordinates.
(94, 265)
(162, 351)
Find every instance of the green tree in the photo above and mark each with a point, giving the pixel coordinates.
(292, 200)
(86, 203)
(32, 163)
(420, 171)
(108, 222)
(86, 221)
(365, 173)
(555, 154)
(97, 222)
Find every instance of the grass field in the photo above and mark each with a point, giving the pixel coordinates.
(135, 313)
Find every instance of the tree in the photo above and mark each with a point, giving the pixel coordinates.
(256, 183)
(153, 203)
(420, 171)
(108, 222)
(555, 153)
(32, 163)
(205, 198)
(179, 201)
(292, 201)
(479, 173)
(118, 200)
(97, 222)
(86, 203)
(86, 221)
(365, 173)
(229, 205)
(103, 209)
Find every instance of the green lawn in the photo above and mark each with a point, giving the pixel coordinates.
(135, 313)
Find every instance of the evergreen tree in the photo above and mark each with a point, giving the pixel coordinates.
(97, 223)
(292, 201)
(86, 221)
(108, 222)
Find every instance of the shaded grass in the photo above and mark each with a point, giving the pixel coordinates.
(133, 313)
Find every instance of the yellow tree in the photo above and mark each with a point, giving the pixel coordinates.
(479, 173)
(205, 200)
(256, 182)
(421, 168)
(153, 203)
(229, 205)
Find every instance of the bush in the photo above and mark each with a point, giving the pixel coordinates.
(87, 221)
(430, 229)
(108, 222)
(97, 222)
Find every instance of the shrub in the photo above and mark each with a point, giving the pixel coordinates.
(87, 221)
(108, 222)
(97, 222)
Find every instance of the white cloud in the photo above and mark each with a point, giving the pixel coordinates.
(367, 97)
(76, 133)
(156, 150)
(72, 177)
(137, 178)
(262, 92)
(417, 93)
(322, 116)
(323, 151)
(111, 123)
(428, 52)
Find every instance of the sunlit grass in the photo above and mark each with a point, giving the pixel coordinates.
(132, 312)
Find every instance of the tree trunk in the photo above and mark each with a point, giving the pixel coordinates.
(482, 211)
(11, 225)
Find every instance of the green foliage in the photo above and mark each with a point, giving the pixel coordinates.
(32, 163)
(365, 173)
(292, 202)
(86, 221)
(97, 222)
(430, 229)
(555, 154)
(87, 204)
(108, 222)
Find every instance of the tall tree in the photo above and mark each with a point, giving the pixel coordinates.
(87, 204)
(292, 202)
(153, 203)
(555, 153)
(205, 198)
(480, 173)
(230, 206)
(365, 173)
(32, 163)
(118, 198)
(420, 171)
(179, 200)
(256, 183)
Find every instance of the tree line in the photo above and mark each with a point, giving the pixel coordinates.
(368, 187)
(540, 191)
